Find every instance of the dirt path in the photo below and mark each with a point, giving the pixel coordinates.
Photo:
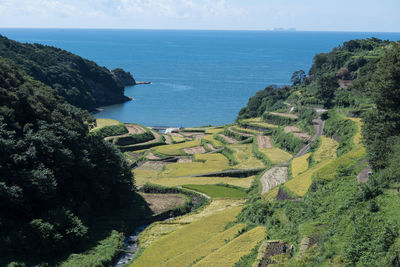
(304, 244)
(273, 178)
(228, 139)
(162, 202)
(194, 150)
(292, 116)
(264, 141)
(132, 129)
(362, 177)
(152, 165)
(318, 131)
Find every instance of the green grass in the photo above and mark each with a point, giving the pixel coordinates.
(217, 191)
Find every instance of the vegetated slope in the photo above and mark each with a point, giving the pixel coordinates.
(81, 82)
(55, 177)
(335, 220)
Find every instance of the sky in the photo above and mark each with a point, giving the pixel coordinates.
(306, 15)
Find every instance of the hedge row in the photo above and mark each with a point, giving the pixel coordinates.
(287, 141)
(134, 139)
(278, 120)
(111, 130)
(143, 146)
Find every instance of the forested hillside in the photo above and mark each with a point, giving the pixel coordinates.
(56, 179)
(330, 210)
(81, 82)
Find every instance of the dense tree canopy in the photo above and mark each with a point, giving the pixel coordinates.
(81, 82)
(54, 175)
(382, 124)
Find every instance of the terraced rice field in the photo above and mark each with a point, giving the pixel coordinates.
(194, 150)
(276, 155)
(231, 253)
(356, 154)
(297, 132)
(105, 122)
(206, 163)
(264, 141)
(206, 248)
(213, 141)
(327, 149)
(326, 153)
(144, 176)
(217, 191)
(256, 119)
(273, 178)
(262, 124)
(178, 181)
(214, 131)
(300, 164)
(152, 165)
(288, 115)
(178, 139)
(228, 139)
(290, 129)
(168, 139)
(244, 155)
(162, 202)
(176, 149)
(300, 184)
(244, 131)
(184, 235)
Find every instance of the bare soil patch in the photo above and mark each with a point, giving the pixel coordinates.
(152, 165)
(301, 135)
(210, 146)
(228, 139)
(362, 177)
(264, 141)
(288, 115)
(185, 159)
(162, 202)
(194, 150)
(241, 133)
(151, 156)
(176, 135)
(167, 139)
(273, 248)
(273, 177)
(289, 129)
(190, 134)
(134, 129)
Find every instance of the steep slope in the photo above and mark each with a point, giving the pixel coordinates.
(55, 177)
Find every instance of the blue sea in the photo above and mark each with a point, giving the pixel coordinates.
(197, 77)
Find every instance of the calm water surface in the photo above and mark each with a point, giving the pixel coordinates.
(198, 77)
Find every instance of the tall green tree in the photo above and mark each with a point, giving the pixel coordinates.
(382, 124)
